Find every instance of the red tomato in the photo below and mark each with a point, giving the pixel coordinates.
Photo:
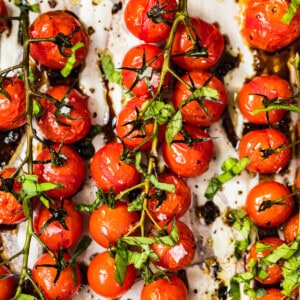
(71, 173)
(108, 171)
(11, 211)
(174, 204)
(43, 274)
(297, 179)
(257, 145)
(7, 284)
(50, 25)
(193, 113)
(291, 228)
(189, 161)
(140, 25)
(263, 28)
(3, 12)
(164, 289)
(182, 254)
(251, 95)
(274, 271)
(69, 123)
(14, 106)
(261, 195)
(210, 38)
(145, 62)
(106, 226)
(272, 294)
(100, 275)
(54, 235)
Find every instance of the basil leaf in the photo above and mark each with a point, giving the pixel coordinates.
(25, 297)
(292, 9)
(109, 70)
(37, 109)
(121, 262)
(65, 72)
(173, 127)
(158, 110)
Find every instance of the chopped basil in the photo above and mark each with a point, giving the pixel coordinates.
(173, 127)
(65, 72)
(292, 9)
(109, 70)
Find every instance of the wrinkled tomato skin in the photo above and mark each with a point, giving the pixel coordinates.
(268, 139)
(55, 236)
(193, 113)
(274, 271)
(164, 289)
(7, 285)
(263, 28)
(64, 288)
(182, 254)
(141, 26)
(3, 12)
(71, 174)
(291, 228)
(75, 126)
(188, 161)
(211, 38)
(49, 25)
(100, 275)
(275, 215)
(14, 107)
(134, 58)
(108, 171)
(175, 204)
(250, 98)
(106, 226)
(272, 294)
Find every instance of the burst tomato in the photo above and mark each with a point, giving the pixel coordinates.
(189, 160)
(138, 22)
(67, 169)
(13, 103)
(100, 275)
(263, 28)
(67, 120)
(7, 284)
(3, 12)
(251, 97)
(291, 228)
(108, 171)
(106, 226)
(209, 111)
(209, 37)
(267, 150)
(50, 25)
(272, 294)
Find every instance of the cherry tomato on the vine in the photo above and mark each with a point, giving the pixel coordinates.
(13, 103)
(50, 25)
(3, 12)
(267, 150)
(106, 225)
(7, 283)
(172, 288)
(272, 294)
(108, 171)
(68, 169)
(251, 97)
(268, 204)
(44, 274)
(208, 36)
(291, 228)
(67, 120)
(194, 113)
(100, 275)
(138, 22)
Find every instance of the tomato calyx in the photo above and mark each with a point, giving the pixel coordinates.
(189, 140)
(157, 12)
(266, 204)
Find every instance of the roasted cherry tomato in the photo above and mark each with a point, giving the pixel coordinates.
(7, 284)
(59, 227)
(263, 28)
(51, 25)
(167, 205)
(274, 271)
(251, 98)
(141, 69)
(108, 171)
(137, 19)
(267, 150)
(268, 204)
(291, 228)
(194, 113)
(182, 254)
(172, 288)
(272, 294)
(44, 275)
(67, 120)
(184, 52)
(100, 275)
(13, 103)
(3, 12)
(106, 226)
(66, 168)
(11, 211)
(189, 160)
(297, 179)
